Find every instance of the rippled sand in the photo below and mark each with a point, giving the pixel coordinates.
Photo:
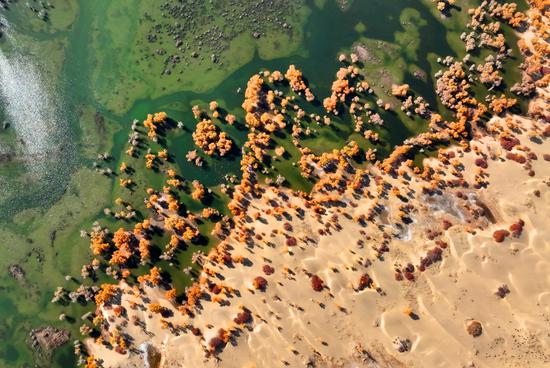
(343, 326)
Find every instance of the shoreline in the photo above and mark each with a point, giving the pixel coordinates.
(387, 266)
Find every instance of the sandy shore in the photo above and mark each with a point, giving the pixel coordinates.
(348, 323)
(448, 266)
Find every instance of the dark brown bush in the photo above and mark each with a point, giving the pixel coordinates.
(516, 157)
(517, 228)
(508, 142)
(216, 343)
(243, 317)
(260, 283)
(316, 283)
(500, 235)
(481, 163)
(365, 281)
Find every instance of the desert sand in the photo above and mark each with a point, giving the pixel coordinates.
(352, 324)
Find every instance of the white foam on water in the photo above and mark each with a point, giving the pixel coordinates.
(34, 110)
(28, 107)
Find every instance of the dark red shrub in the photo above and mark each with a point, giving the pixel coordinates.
(383, 248)
(441, 244)
(120, 350)
(398, 276)
(481, 163)
(508, 142)
(243, 317)
(259, 283)
(216, 289)
(226, 257)
(364, 282)
(291, 241)
(546, 157)
(433, 255)
(316, 283)
(516, 157)
(502, 291)
(517, 228)
(268, 270)
(216, 343)
(500, 235)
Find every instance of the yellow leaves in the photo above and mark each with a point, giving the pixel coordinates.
(157, 308)
(174, 182)
(208, 137)
(144, 249)
(98, 244)
(400, 90)
(189, 234)
(294, 77)
(171, 173)
(125, 183)
(91, 362)
(163, 154)
(150, 160)
(199, 190)
(153, 277)
(171, 294)
(160, 117)
(106, 292)
(196, 111)
(230, 119)
(499, 104)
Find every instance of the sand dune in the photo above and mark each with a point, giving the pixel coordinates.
(293, 325)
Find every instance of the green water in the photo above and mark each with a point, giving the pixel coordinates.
(87, 47)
